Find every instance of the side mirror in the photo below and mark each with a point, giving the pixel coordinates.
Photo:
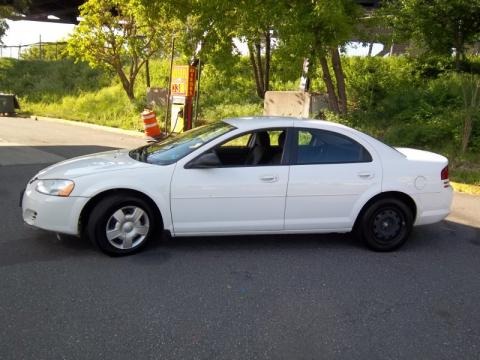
(205, 161)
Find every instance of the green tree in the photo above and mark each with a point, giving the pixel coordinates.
(123, 35)
(218, 24)
(257, 22)
(316, 29)
(440, 26)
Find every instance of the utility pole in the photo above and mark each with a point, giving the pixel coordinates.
(167, 123)
(147, 72)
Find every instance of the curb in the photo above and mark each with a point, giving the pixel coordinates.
(88, 125)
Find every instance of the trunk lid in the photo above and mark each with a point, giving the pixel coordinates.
(422, 155)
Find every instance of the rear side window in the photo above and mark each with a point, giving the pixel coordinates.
(326, 147)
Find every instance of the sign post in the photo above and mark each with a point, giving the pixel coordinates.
(182, 90)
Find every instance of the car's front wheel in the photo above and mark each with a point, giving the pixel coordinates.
(385, 225)
(121, 224)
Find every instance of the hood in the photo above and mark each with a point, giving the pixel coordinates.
(95, 163)
(421, 155)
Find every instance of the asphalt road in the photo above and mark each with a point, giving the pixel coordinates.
(259, 297)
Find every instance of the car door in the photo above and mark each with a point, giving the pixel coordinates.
(331, 174)
(234, 196)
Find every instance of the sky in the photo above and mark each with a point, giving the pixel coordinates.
(29, 32)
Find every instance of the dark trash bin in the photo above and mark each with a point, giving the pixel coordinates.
(8, 104)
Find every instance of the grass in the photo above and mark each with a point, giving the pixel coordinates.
(470, 176)
(108, 106)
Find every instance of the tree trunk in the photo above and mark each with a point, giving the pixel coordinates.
(126, 84)
(340, 79)
(470, 91)
(459, 50)
(130, 91)
(457, 59)
(327, 79)
(370, 49)
(268, 54)
(261, 74)
(258, 81)
(467, 131)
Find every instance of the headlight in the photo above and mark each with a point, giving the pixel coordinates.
(55, 187)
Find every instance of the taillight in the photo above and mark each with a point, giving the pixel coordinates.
(444, 173)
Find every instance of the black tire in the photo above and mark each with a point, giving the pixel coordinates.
(385, 225)
(102, 219)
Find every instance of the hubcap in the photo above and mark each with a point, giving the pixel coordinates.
(127, 227)
(387, 224)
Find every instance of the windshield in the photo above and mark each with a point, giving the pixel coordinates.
(174, 148)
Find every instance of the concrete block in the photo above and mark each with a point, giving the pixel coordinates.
(293, 103)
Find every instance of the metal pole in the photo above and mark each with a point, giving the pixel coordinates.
(197, 95)
(40, 46)
(167, 130)
(147, 73)
(19, 49)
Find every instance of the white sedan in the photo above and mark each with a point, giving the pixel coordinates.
(242, 176)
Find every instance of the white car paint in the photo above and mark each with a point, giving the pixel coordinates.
(245, 200)
(234, 199)
(323, 197)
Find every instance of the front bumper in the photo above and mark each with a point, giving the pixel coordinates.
(53, 213)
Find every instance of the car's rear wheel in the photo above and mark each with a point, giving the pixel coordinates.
(385, 225)
(121, 224)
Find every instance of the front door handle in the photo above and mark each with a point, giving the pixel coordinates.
(269, 178)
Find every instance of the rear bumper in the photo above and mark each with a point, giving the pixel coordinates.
(53, 213)
(434, 207)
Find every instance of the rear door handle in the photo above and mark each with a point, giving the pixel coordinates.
(269, 178)
(365, 175)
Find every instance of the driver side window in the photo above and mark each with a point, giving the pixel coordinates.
(256, 148)
(240, 141)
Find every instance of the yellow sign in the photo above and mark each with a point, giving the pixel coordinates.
(183, 80)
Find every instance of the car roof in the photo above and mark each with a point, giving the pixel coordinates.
(258, 122)
(253, 122)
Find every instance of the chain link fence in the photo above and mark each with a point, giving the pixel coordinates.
(35, 51)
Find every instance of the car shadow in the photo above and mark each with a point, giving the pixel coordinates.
(422, 238)
(43, 246)
(256, 242)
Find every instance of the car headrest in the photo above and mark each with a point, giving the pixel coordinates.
(262, 138)
(281, 139)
